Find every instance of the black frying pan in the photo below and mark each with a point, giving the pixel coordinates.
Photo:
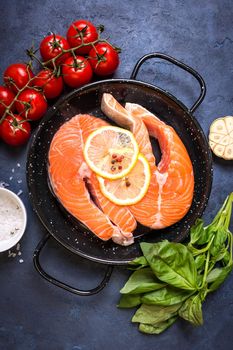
(72, 234)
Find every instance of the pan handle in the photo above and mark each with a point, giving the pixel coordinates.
(45, 275)
(179, 64)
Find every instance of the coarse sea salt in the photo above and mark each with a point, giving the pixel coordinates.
(11, 217)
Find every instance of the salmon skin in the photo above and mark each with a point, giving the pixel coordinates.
(69, 176)
(170, 192)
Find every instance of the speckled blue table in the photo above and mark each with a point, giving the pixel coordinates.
(37, 315)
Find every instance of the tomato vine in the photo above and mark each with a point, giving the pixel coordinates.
(67, 61)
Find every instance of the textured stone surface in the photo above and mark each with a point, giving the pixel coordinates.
(37, 315)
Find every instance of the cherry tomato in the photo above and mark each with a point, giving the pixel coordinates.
(6, 97)
(17, 75)
(82, 31)
(15, 131)
(104, 59)
(76, 71)
(31, 104)
(52, 45)
(51, 85)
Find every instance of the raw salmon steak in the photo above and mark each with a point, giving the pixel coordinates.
(170, 193)
(71, 177)
(121, 216)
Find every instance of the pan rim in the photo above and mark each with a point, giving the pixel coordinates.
(53, 110)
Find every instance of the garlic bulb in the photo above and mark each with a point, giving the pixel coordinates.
(221, 137)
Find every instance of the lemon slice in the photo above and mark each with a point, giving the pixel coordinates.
(111, 152)
(221, 137)
(131, 188)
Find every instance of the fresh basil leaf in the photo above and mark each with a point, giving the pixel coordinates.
(151, 314)
(165, 296)
(172, 263)
(129, 300)
(191, 310)
(221, 254)
(157, 328)
(217, 276)
(219, 241)
(213, 275)
(200, 235)
(207, 234)
(200, 262)
(226, 258)
(139, 263)
(142, 281)
(196, 231)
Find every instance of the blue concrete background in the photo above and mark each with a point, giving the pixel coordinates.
(37, 315)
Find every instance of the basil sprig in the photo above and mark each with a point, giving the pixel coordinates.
(172, 280)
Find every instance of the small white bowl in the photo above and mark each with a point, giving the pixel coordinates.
(11, 206)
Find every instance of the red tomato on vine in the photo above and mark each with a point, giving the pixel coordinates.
(79, 32)
(6, 97)
(52, 46)
(51, 85)
(104, 59)
(31, 104)
(17, 75)
(14, 130)
(76, 71)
